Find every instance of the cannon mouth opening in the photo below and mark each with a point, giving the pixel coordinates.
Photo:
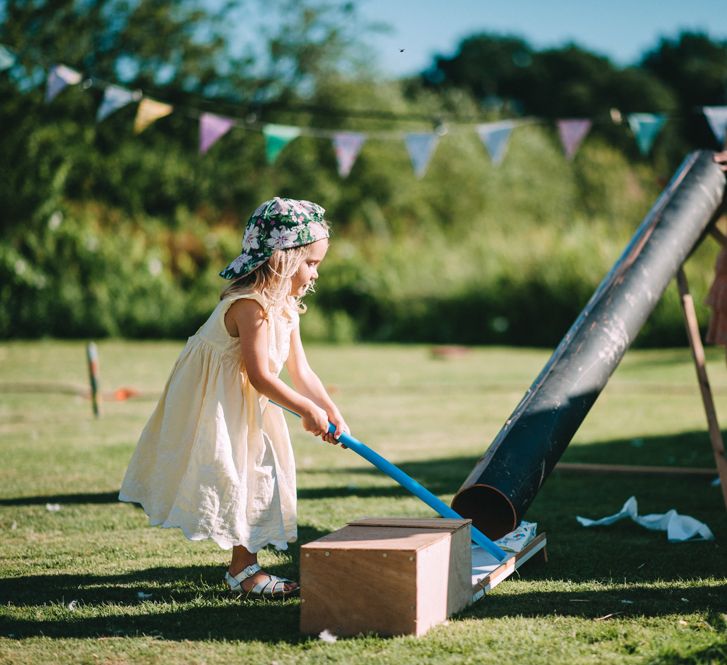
(488, 508)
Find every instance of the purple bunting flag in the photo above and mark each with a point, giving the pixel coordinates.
(211, 128)
(646, 127)
(494, 136)
(114, 98)
(421, 148)
(59, 77)
(572, 132)
(717, 119)
(347, 145)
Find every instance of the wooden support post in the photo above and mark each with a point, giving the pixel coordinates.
(695, 342)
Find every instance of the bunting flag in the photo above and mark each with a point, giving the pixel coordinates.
(421, 148)
(59, 77)
(572, 132)
(495, 136)
(7, 58)
(646, 127)
(150, 111)
(347, 145)
(717, 119)
(276, 138)
(114, 98)
(211, 128)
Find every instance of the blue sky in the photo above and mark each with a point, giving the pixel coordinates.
(619, 29)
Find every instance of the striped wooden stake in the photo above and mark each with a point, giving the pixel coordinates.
(93, 376)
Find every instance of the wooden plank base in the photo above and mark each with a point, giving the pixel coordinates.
(496, 571)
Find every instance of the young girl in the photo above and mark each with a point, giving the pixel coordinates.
(215, 458)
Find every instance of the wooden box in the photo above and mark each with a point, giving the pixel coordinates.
(387, 576)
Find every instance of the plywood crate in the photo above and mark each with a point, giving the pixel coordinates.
(387, 576)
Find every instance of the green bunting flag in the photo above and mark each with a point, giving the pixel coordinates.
(276, 138)
(646, 127)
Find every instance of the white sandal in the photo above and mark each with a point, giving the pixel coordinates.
(273, 588)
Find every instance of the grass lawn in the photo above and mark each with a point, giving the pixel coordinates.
(91, 582)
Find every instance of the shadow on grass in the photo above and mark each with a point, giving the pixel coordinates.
(176, 603)
(88, 497)
(218, 617)
(230, 620)
(445, 475)
(630, 601)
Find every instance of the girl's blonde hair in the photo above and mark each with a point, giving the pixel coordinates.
(272, 279)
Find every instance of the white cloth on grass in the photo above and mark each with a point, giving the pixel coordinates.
(678, 527)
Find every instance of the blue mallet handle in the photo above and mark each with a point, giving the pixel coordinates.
(407, 482)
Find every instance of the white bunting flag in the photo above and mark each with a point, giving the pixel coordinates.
(495, 136)
(114, 98)
(59, 78)
(421, 148)
(717, 119)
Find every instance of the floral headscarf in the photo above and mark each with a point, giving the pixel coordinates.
(277, 224)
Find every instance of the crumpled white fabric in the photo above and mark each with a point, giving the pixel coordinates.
(515, 541)
(678, 527)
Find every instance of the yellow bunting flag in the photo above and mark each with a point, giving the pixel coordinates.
(149, 111)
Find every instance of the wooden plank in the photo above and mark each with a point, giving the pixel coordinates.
(425, 523)
(695, 342)
(578, 467)
(379, 538)
(508, 567)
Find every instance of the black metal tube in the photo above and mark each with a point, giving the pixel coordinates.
(506, 479)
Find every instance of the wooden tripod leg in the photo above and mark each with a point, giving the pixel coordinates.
(695, 342)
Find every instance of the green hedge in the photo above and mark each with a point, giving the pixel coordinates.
(85, 273)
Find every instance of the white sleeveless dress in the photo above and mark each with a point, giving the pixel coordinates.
(215, 458)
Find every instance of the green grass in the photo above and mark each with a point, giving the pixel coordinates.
(615, 595)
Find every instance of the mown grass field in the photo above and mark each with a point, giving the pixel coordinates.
(91, 582)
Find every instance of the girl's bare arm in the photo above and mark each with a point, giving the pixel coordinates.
(250, 321)
(307, 382)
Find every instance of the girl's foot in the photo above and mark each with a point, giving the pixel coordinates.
(253, 581)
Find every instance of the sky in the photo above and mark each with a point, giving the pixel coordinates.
(619, 29)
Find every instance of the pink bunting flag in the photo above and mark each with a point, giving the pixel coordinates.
(717, 119)
(572, 132)
(150, 111)
(420, 146)
(211, 128)
(59, 78)
(347, 145)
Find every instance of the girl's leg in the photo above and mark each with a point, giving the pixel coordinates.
(241, 559)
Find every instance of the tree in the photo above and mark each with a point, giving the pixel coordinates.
(694, 68)
(490, 66)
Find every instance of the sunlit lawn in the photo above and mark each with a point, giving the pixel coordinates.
(91, 582)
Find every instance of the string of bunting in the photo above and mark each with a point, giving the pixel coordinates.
(347, 145)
